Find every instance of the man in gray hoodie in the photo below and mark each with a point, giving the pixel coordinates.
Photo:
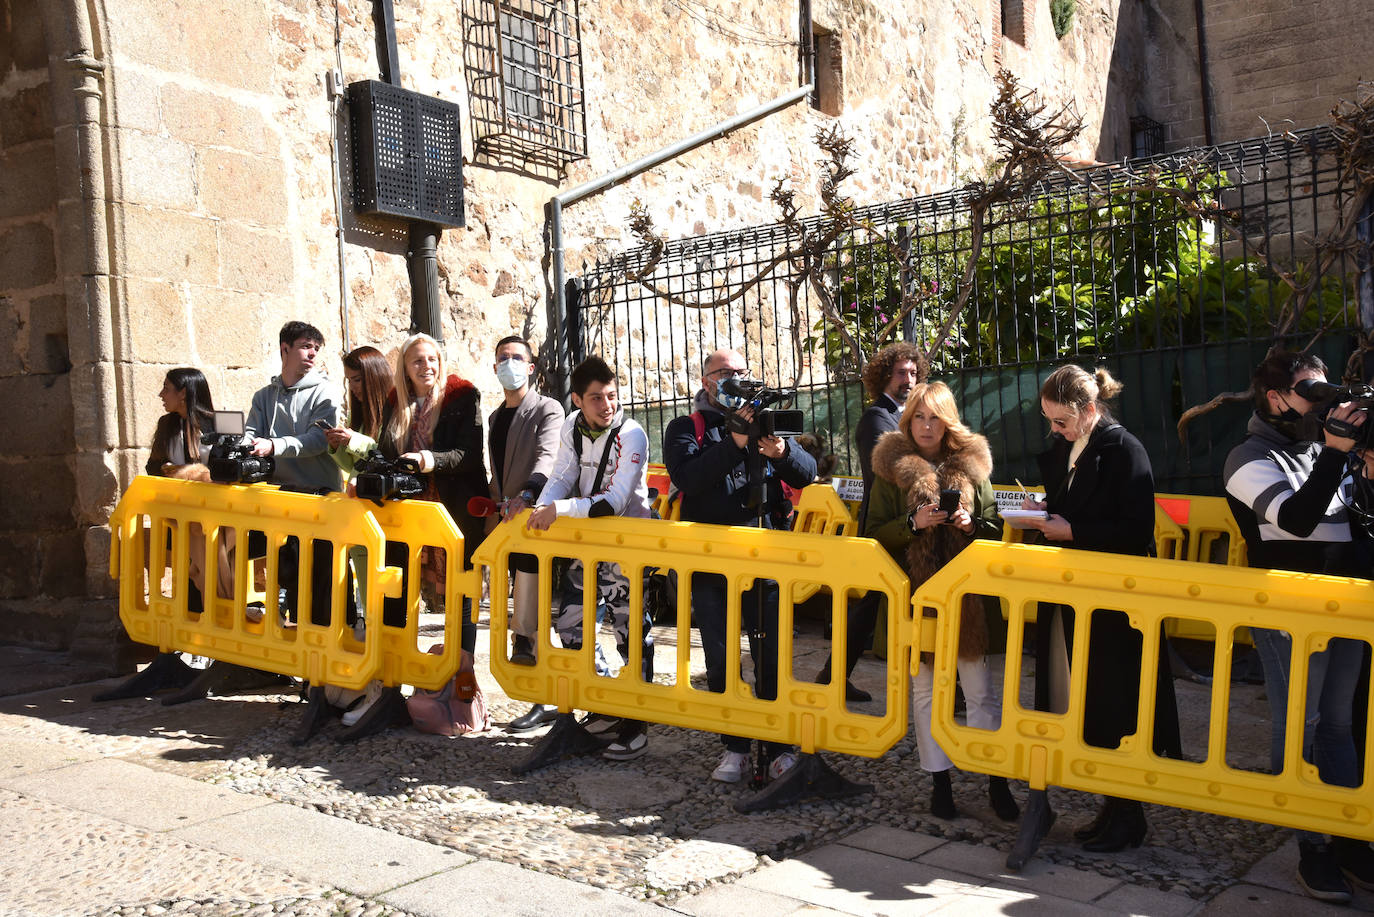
(285, 412)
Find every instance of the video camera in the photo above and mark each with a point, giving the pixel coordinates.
(766, 421)
(232, 460)
(1360, 396)
(380, 478)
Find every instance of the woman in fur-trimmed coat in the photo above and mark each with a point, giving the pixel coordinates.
(931, 450)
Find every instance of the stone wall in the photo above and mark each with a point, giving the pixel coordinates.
(166, 192)
(1271, 64)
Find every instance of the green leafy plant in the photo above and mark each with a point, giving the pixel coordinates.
(1061, 14)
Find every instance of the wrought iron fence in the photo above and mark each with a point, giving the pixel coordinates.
(1129, 277)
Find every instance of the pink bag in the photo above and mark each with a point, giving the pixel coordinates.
(455, 709)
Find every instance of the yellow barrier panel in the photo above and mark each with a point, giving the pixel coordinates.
(821, 512)
(323, 653)
(1047, 749)
(807, 714)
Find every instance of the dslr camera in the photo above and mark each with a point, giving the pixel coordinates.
(232, 460)
(380, 478)
(739, 393)
(1360, 396)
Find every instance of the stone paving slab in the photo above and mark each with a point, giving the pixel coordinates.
(132, 794)
(61, 862)
(905, 845)
(1274, 878)
(989, 865)
(357, 858)
(28, 756)
(501, 890)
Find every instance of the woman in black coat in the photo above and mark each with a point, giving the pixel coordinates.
(1099, 497)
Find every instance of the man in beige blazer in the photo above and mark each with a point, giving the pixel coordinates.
(522, 442)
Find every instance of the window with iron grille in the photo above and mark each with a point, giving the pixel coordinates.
(524, 65)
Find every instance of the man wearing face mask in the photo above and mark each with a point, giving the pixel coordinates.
(522, 442)
(707, 464)
(1288, 487)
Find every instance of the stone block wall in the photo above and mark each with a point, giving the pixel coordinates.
(1271, 64)
(167, 194)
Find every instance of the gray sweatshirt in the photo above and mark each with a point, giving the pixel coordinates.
(287, 417)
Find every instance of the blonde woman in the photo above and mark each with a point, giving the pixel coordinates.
(931, 452)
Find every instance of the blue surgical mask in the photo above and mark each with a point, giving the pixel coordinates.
(512, 374)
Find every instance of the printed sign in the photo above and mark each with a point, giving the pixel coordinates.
(1011, 497)
(851, 490)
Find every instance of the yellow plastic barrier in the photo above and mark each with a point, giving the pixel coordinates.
(820, 511)
(807, 714)
(321, 653)
(1047, 749)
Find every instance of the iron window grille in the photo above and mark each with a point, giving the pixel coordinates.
(524, 65)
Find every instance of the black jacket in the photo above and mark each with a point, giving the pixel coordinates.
(882, 416)
(712, 477)
(459, 472)
(1111, 501)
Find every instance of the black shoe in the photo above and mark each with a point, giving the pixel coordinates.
(1125, 827)
(999, 794)
(631, 741)
(855, 694)
(538, 715)
(1093, 828)
(1356, 860)
(1035, 824)
(389, 710)
(1320, 875)
(942, 797)
(600, 724)
(521, 651)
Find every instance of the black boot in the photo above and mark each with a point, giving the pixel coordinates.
(852, 693)
(1125, 827)
(1093, 828)
(942, 797)
(1355, 859)
(999, 794)
(538, 715)
(389, 710)
(1035, 824)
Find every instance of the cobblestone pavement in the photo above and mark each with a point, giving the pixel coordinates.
(655, 829)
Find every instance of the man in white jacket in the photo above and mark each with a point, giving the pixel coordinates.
(599, 471)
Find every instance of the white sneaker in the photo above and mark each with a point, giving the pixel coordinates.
(782, 764)
(733, 767)
(374, 692)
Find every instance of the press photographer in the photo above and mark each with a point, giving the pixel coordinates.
(709, 454)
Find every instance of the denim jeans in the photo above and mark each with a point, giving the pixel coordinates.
(1332, 674)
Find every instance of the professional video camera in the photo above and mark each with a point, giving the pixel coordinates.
(232, 460)
(738, 393)
(1328, 395)
(380, 478)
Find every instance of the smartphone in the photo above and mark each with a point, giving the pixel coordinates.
(949, 501)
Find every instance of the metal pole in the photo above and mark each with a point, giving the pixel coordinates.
(388, 57)
(556, 203)
(422, 263)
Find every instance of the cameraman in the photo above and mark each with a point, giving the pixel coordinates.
(1289, 493)
(708, 465)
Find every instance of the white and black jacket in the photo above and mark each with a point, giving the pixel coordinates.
(1289, 498)
(572, 483)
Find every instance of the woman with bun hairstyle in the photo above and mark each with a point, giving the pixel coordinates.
(435, 421)
(932, 451)
(1100, 496)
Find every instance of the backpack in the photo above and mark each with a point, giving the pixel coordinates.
(445, 712)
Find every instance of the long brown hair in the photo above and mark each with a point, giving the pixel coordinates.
(365, 414)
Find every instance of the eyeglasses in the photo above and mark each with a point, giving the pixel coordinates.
(727, 371)
(1060, 422)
